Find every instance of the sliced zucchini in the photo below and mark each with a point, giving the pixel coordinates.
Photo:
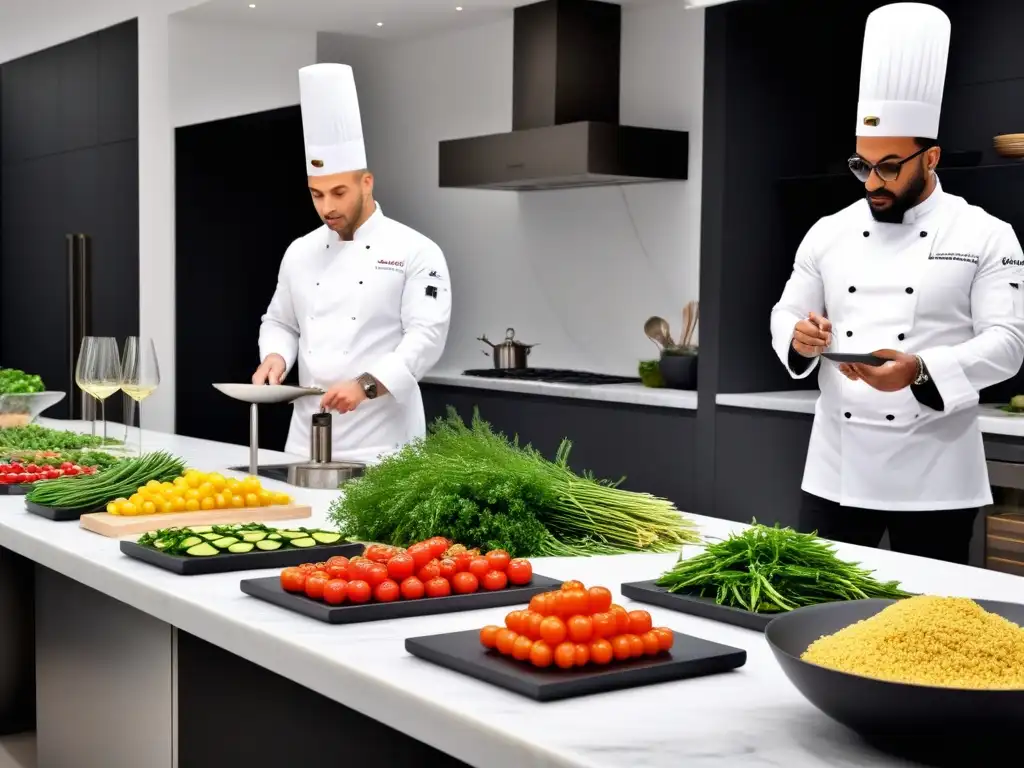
(307, 541)
(212, 536)
(325, 537)
(254, 536)
(274, 536)
(240, 548)
(293, 534)
(161, 543)
(224, 543)
(200, 528)
(201, 550)
(191, 541)
(267, 545)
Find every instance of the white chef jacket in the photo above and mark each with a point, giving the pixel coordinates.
(378, 304)
(947, 285)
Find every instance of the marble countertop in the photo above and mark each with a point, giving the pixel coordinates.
(634, 394)
(992, 420)
(750, 717)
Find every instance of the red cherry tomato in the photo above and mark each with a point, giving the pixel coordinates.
(489, 636)
(315, 586)
(639, 622)
(412, 589)
(358, 591)
(438, 545)
(401, 567)
(465, 583)
(378, 573)
(462, 562)
(379, 553)
(438, 587)
(338, 560)
(293, 580)
(337, 571)
(421, 554)
(519, 571)
(334, 591)
(429, 571)
(307, 568)
(479, 567)
(387, 591)
(447, 568)
(495, 580)
(358, 570)
(600, 599)
(498, 559)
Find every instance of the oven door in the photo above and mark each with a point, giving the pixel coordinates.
(1004, 520)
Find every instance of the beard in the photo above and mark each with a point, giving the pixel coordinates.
(901, 203)
(344, 224)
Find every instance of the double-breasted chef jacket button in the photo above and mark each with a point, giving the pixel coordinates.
(866, 233)
(902, 336)
(847, 414)
(889, 417)
(910, 290)
(923, 233)
(849, 334)
(853, 289)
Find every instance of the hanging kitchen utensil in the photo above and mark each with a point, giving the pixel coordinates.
(658, 331)
(509, 354)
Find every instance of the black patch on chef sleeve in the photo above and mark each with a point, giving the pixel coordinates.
(432, 291)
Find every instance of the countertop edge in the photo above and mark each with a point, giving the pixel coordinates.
(629, 394)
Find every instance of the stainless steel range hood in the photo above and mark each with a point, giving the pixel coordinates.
(565, 112)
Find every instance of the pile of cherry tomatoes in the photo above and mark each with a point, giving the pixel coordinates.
(16, 473)
(574, 627)
(431, 568)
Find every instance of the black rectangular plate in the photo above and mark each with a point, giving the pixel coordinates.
(60, 514)
(184, 565)
(269, 589)
(842, 357)
(705, 607)
(15, 490)
(462, 652)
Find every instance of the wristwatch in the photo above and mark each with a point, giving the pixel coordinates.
(922, 373)
(369, 385)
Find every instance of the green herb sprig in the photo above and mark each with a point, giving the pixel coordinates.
(772, 569)
(476, 486)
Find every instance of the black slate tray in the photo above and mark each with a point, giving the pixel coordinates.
(183, 565)
(269, 589)
(649, 592)
(19, 489)
(60, 514)
(462, 652)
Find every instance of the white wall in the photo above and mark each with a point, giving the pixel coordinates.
(220, 70)
(577, 271)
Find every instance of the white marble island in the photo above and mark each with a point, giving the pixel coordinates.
(751, 717)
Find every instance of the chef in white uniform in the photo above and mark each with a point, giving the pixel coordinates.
(917, 276)
(362, 303)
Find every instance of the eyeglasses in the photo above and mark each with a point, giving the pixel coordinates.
(888, 170)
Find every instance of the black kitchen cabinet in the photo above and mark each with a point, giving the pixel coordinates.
(69, 152)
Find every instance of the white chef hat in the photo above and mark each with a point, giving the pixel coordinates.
(332, 128)
(903, 71)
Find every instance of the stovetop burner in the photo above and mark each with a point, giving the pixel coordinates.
(551, 375)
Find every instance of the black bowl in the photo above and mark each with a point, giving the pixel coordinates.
(932, 725)
(679, 371)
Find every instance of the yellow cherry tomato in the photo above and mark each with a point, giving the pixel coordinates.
(206, 490)
(282, 498)
(208, 503)
(178, 503)
(166, 508)
(136, 499)
(221, 501)
(128, 509)
(266, 498)
(157, 499)
(113, 508)
(180, 482)
(193, 479)
(192, 505)
(251, 484)
(148, 508)
(217, 480)
(166, 488)
(192, 493)
(237, 501)
(252, 500)
(154, 485)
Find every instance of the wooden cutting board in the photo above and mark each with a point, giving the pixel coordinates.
(115, 526)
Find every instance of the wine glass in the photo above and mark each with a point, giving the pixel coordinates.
(140, 373)
(101, 372)
(84, 350)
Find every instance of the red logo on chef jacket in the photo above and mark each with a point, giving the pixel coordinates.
(391, 266)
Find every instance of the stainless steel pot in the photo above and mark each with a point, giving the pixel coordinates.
(509, 354)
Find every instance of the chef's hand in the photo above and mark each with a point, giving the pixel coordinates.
(271, 371)
(899, 373)
(811, 336)
(343, 397)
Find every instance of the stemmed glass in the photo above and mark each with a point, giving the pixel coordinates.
(100, 376)
(80, 368)
(140, 373)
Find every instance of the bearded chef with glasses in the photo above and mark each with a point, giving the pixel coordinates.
(916, 276)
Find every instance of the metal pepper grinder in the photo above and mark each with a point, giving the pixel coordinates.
(321, 471)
